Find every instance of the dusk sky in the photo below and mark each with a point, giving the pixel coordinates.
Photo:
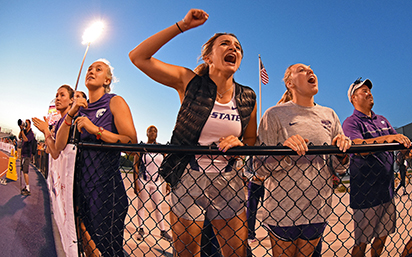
(41, 49)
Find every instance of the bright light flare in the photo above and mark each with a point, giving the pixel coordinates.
(93, 32)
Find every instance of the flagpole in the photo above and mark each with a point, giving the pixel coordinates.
(260, 91)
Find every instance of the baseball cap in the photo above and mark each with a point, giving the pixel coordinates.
(357, 84)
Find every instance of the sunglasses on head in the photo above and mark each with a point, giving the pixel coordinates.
(358, 81)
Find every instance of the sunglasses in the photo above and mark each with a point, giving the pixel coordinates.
(356, 82)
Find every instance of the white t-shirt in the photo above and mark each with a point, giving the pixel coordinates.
(224, 120)
(152, 162)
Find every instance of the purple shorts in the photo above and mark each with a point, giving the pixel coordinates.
(305, 232)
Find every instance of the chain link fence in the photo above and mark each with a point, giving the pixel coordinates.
(41, 161)
(124, 208)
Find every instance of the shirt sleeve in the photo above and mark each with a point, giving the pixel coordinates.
(268, 131)
(269, 134)
(338, 127)
(352, 129)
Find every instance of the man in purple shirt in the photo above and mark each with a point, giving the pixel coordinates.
(371, 175)
(27, 137)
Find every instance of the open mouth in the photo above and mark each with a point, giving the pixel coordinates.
(312, 79)
(230, 58)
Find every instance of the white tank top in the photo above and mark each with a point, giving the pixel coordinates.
(224, 120)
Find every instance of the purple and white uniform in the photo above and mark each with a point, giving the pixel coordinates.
(104, 203)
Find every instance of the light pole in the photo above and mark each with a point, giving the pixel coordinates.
(89, 35)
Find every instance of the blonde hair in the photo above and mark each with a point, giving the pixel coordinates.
(110, 75)
(207, 48)
(287, 96)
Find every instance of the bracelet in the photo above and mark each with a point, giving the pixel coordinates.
(47, 137)
(68, 124)
(179, 27)
(99, 134)
(70, 116)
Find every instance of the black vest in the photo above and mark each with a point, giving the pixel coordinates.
(196, 107)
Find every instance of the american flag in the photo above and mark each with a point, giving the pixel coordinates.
(263, 74)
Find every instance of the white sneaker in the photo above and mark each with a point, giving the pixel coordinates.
(3, 181)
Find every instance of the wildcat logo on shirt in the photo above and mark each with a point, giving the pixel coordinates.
(100, 112)
(327, 124)
(225, 116)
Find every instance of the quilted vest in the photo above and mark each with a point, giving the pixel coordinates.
(196, 107)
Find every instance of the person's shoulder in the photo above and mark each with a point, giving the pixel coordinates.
(327, 110)
(279, 108)
(197, 77)
(116, 99)
(324, 108)
(245, 88)
(381, 117)
(282, 106)
(30, 133)
(196, 82)
(351, 118)
(352, 124)
(111, 96)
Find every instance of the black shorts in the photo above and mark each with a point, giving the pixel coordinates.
(25, 164)
(305, 232)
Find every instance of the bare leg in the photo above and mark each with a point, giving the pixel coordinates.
(232, 235)
(90, 248)
(186, 236)
(408, 249)
(26, 178)
(359, 250)
(306, 247)
(282, 248)
(377, 246)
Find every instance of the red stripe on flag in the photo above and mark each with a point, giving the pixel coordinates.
(263, 74)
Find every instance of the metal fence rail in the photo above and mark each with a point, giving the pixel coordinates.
(116, 218)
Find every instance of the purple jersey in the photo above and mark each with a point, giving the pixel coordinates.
(99, 114)
(371, 176)
(104, 201)
(58, 124)
(99, 165)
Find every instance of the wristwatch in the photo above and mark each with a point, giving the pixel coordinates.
(99, 134)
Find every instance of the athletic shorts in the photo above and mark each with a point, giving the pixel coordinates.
(304, 232)
(374, 222)
(217, 195)
(25, 163)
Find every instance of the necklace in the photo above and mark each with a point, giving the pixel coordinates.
(221, 94)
